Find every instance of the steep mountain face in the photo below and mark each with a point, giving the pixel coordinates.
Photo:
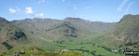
(59, 29)
(127, 30)
(9, 33)
(125, 34)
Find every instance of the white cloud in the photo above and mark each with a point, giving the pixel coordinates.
(13, 11)
(29, 10)
(41, 14)
(124, 2)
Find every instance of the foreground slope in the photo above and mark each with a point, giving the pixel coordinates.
(34, 51)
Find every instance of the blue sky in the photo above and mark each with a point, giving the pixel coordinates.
(93, 10)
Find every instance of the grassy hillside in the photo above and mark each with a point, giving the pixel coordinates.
(34, 51)
(123, 36)
(127, 30)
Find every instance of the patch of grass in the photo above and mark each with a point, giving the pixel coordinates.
(35, 51)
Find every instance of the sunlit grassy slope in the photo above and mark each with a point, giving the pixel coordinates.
(34, 51)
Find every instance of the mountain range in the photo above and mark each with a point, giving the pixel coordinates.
(75, 34)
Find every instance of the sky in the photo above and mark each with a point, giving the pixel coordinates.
(93, 10)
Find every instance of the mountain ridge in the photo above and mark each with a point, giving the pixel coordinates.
(35, 26)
